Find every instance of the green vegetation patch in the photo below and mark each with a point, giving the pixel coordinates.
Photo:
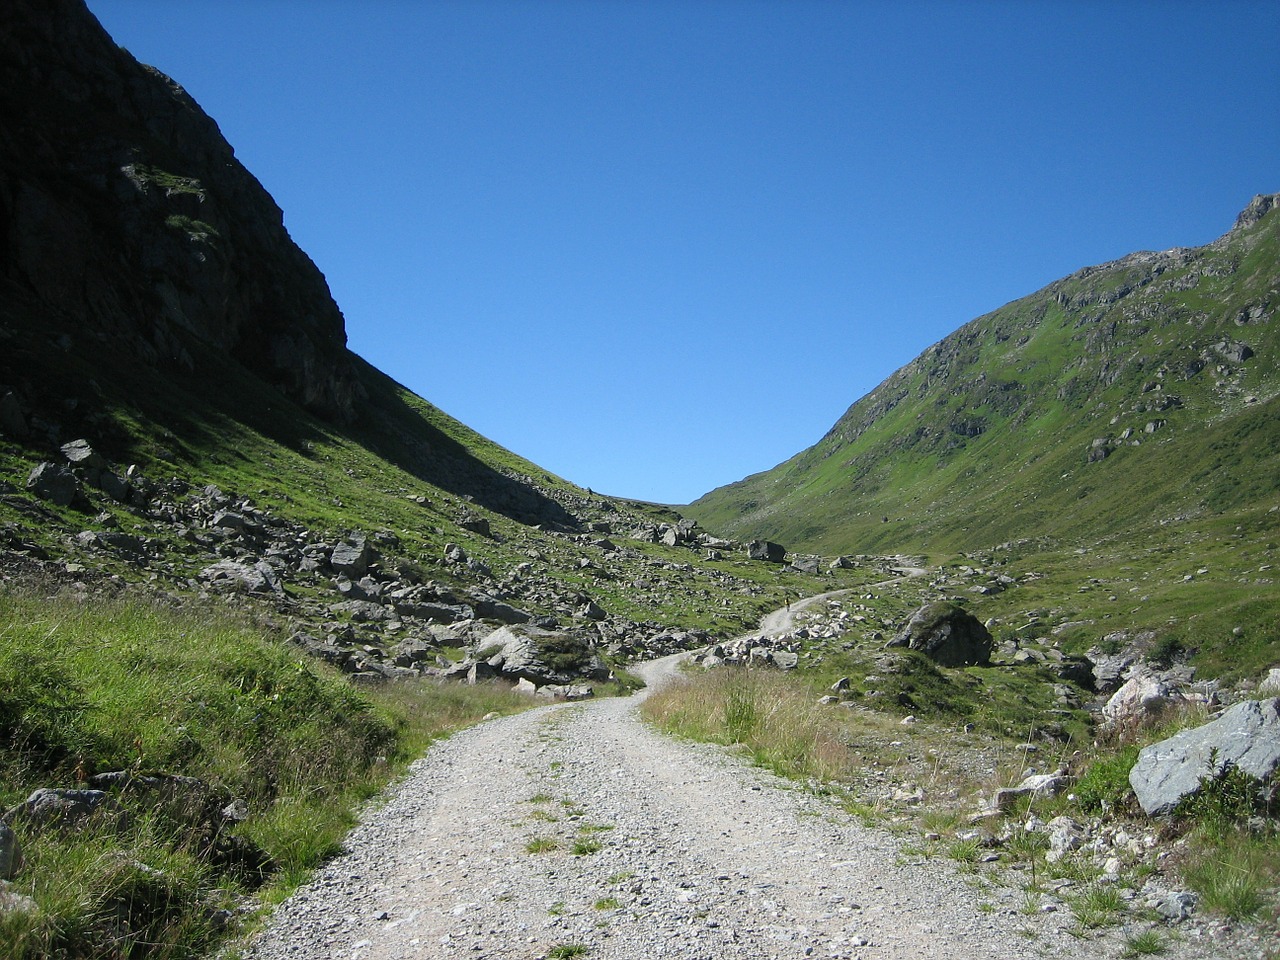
(153, 692)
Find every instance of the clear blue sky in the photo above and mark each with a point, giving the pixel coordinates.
(657, 246)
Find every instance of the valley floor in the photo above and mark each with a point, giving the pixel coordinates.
(575, 830)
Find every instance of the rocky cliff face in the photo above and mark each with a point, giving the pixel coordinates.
(123, 210)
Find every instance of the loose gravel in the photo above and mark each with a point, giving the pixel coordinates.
(577, 831)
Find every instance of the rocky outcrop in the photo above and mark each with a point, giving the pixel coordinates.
(123, 209)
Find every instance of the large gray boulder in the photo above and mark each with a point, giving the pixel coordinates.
(541, 656)
(1247, 737)
(949, 635)
(55, 483)
(766, 550)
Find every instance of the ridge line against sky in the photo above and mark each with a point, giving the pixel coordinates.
(656, 247)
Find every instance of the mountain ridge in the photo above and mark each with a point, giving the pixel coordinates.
(1150, 323)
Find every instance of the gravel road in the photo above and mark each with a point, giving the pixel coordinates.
(575, 830)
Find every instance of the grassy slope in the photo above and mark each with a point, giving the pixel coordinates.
(1043, 378)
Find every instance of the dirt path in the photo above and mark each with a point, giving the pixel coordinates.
(784, 620)
(577, 826)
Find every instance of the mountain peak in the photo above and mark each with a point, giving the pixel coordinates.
(1258, 208)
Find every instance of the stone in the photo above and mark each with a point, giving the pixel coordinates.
(115, 486)
(55, 483)
(252, 578)
(766, 550)
(454, 553)
(480, 671)
(947, 634)
(478, 525)
(1233, 351)
(1271, 682)
(10, 853)
(592, 611)
(1065, 835)
(785, 659)
(491, 609)
(1041, 784)
(57, 807)
(1245, 736)
(806, 565)
(1176, 906)
(541, 656)
(1142, 695)
(11, 902)
(351, 557)
(80, 454)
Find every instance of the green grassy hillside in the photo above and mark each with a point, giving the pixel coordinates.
(1162, 366)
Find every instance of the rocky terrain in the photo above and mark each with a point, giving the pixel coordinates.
(1074, 501)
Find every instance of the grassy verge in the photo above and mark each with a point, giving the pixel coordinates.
(94, 687)
(928, 778)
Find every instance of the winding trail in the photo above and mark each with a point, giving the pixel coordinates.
(578, 826)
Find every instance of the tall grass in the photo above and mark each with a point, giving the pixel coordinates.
(774, 719)
(90, 687)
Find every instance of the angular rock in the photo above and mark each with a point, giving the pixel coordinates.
(475, 524)
(1271, 682)
(80, 454)
(56, 807)
(479, 672)
(55, 483)
(1246, 737)
(11, 902)
(1040, 784)
(592, 611)
(541, 656)
(1065, 835)
(947, 634)
(252, 578)
(784, 659)
(351, 557)
(1176, 906)
(766, 550)
(491, 609)
(1233, 350)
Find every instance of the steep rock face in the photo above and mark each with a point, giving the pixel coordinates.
(122, 206)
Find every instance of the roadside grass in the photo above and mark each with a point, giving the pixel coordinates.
(867, 757)
(92, 687)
